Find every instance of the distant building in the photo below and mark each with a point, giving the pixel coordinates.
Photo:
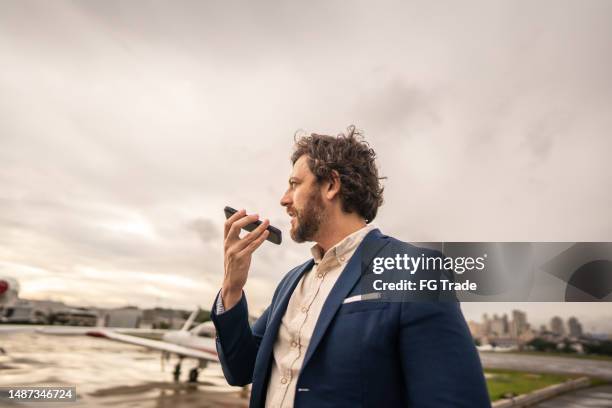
(486, 325)
(519, 324)
(24, 312)
(499, 331)
(504, 343)
(74, 316)
(499, 326)
(124, 317)
(159, 318)
(574, 327)
(556, 326)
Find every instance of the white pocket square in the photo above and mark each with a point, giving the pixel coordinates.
(358, 298)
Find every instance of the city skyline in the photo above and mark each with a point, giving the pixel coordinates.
(473, 312)
(516, 324)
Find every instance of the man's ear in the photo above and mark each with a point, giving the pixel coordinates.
(333, 185)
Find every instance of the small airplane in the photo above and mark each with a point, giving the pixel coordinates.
(197, 343)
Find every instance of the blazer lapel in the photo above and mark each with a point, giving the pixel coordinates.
(349, 277)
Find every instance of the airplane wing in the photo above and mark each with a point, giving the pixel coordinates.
(209, 354)
(7, 328)
(79, 330)
(126, 335)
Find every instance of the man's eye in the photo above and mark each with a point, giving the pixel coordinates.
(292, 184)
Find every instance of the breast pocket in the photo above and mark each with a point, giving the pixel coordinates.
(362, 306)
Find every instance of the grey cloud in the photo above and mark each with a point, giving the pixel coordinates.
(205, 228)
(394, 104)
(127, 128)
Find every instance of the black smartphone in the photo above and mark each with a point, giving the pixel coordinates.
(275, 235)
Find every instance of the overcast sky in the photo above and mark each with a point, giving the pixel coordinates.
(126, 127)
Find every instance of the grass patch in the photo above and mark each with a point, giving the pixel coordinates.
(504, 382)
(598, 381)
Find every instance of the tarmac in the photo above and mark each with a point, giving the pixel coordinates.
(548, 364)
(109, 374)
(595, 397)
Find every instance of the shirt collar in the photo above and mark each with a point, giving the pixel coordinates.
(342, 250)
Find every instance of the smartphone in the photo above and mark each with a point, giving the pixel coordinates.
(275, 235)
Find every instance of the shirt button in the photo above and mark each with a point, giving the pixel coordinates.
(283, 380)
(294, 344)
(304, 309)
(319, 275)
(342, 258)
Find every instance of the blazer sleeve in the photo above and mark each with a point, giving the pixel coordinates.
(238, 342)
(440, 363)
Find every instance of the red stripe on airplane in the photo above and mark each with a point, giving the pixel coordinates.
(96, 334)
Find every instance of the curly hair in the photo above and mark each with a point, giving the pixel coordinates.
(354, 160)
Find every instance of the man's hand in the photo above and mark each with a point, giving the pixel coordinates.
(237, 254)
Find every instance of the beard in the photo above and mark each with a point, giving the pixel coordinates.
(308, 219)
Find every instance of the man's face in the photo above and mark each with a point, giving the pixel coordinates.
(303, 202)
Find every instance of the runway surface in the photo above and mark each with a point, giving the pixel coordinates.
(596, 397)
(548, 364)
(109, 374)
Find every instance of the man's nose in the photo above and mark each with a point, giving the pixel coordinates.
(285, 199)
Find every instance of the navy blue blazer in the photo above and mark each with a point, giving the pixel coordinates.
(364, 353)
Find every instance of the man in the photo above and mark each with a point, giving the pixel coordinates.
(320, 343)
